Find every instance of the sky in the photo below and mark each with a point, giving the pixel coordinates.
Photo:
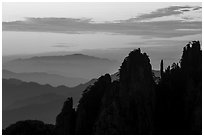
(97, 11)
(101, 29)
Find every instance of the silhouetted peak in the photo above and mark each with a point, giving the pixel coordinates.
(180, 94)
(68, 104)
(193, 46)
(102, 82)
(136, 67)
(89, 105)
(65, 121)
(136, 88)
(192, 56)
(105, 78)
(161, 68)
(137, 58)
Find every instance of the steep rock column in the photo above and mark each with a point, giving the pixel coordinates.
(65, 121)
(136, 94)
(89, 106)
(161, 68)
(108, 122)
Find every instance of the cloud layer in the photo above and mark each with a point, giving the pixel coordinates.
(163, 12)
(64, 45)
(162, 29)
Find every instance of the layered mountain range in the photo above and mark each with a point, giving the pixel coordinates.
(133, 104)
(29, 100)
(78, 66)
(44, 78)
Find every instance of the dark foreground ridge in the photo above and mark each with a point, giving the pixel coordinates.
(135, 104)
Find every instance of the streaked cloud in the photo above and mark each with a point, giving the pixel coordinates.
(132, 26)
(61, 46)
(64, 45)
(159, 42)
(197, 8)
(169, 11)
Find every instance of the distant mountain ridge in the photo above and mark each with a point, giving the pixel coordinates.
(32, 98)
(74, 65)
(134, 104)
(66, 57)
(16, 90)
(44, 78)
(22, 100)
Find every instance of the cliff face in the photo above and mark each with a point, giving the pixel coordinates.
(128, 106)
(136, 105)
(109, 119)
(65, 121)
(191, 65)
(118, 107)
(137, 93)
(179, 95)
(89, 106)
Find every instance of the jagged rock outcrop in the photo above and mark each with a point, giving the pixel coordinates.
(161, 68)
(137, 93)
(89, 106)
(128, 106)
(108, 121)
(179, 95)
(134, 104)
(65, 121)
(191, 65)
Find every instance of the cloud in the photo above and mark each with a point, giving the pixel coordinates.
(163, 29)
(159, 43)
(61, 46)
(185, 10)
(64, 45)
(163, 12)
(197, 8)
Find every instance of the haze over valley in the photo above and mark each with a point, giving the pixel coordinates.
(78, 68)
